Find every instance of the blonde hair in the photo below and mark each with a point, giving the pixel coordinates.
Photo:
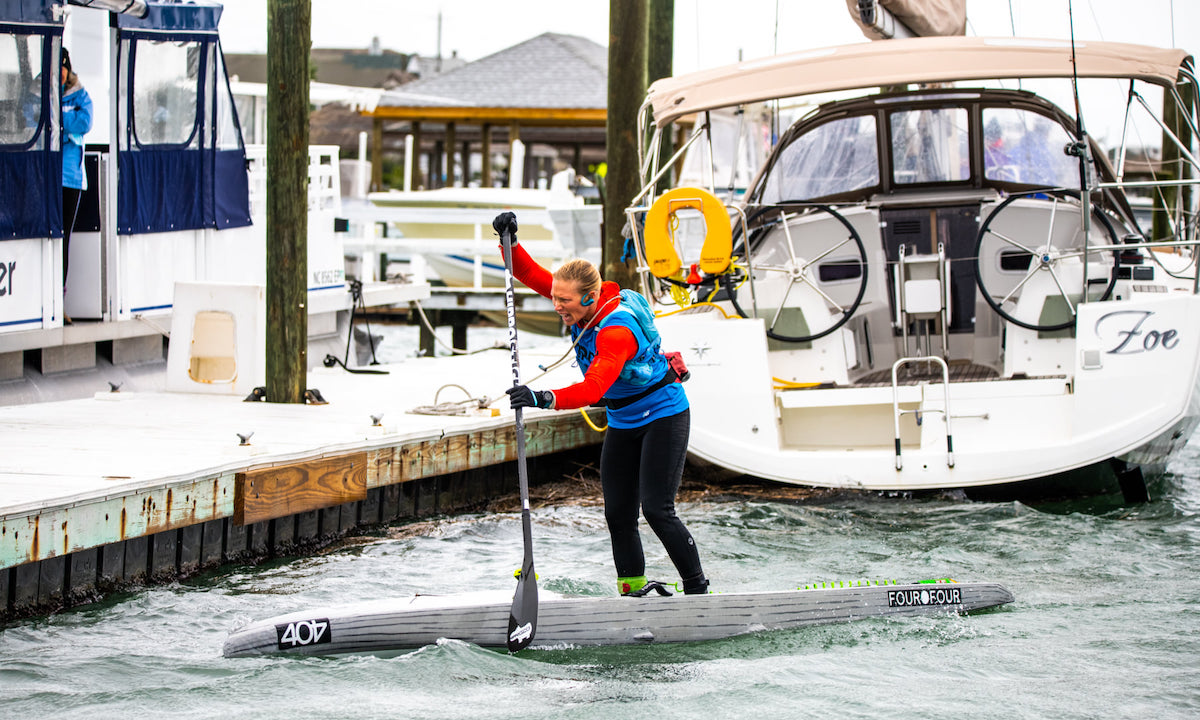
(581, 272)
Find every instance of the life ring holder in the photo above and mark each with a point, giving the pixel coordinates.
(715, 253)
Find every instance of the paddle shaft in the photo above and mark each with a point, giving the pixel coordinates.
(522, 620)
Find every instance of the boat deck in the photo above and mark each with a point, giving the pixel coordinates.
(914, 373)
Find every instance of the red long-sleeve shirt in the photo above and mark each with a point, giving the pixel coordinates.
(615, 345)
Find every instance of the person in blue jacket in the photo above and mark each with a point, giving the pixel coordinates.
(641, 461)
(76, 122)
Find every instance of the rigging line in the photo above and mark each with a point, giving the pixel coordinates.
(161, 331)
(545, 370)
(1075, 72)
(1099, 30)
(433, 332)
(974, 32)
(1081, 149)
(775, 50)
(1172, 23)
(775, 102)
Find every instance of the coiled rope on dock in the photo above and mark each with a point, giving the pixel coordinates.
(463, 407)
(456, 407)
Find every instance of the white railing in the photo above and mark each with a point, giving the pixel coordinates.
(324, 180)
(467, 232)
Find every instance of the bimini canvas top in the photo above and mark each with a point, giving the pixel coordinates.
(912, 60)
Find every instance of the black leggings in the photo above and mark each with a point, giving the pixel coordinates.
(70, 198)
(644, 465)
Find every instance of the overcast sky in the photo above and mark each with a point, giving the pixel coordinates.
(708, 33)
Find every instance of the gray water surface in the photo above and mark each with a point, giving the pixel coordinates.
(1105, 623)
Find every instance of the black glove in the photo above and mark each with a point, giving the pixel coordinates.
(506, 222)
(520, 396)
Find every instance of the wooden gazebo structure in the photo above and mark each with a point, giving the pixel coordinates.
(549, 91)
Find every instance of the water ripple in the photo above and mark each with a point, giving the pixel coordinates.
(1105, 623)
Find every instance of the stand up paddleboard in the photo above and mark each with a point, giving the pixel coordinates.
(482, 618)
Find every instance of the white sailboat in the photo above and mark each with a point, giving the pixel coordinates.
(914, 293)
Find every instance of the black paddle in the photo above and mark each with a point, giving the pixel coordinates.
(522, 619)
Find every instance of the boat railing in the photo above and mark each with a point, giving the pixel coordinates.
(944, 410)
(465, 232)
(324, 182)
(1151, 245)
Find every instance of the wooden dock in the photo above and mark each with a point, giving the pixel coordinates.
(126, 488)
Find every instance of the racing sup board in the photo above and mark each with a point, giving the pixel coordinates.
(482, 618)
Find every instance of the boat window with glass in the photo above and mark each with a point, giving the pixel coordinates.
(168, 86)
(1024, 147)
(20, 88)
(834, 158)
(930, 146)
(228, 137)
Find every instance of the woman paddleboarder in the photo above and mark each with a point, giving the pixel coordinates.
(641, 463)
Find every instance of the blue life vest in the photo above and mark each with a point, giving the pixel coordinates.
(646, 367)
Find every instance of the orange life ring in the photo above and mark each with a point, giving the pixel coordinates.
(718, 239)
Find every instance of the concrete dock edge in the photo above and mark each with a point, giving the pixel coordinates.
(77, 553)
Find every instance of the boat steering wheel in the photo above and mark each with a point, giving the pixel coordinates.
(799, 271)
(1046, 257)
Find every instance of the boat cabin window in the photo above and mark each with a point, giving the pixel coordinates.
(839, 270)
(228, 136)
(20, 88)
(837, 157)
(1024, 147)
(1015, 261)
(165, 99)
(930, 146)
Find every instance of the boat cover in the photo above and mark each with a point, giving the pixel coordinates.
(926, 18)
(30, 149)
(182, 162)
(903, 61)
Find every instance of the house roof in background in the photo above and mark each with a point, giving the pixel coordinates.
(550, 71)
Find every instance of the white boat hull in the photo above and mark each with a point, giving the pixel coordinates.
(1112, 399)
(413, 622)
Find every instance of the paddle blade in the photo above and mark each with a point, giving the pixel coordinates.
(522, 619)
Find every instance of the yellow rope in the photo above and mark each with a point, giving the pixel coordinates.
(789, 385)
(681, 296)
(732, 267)
(588, 419)
(695, 305)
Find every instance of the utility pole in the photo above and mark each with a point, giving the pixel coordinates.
(289, 37)
(659, 63)
(627, 37)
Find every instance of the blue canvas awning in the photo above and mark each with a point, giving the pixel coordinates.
(30, 151)
(181, 159)
(171, 17)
